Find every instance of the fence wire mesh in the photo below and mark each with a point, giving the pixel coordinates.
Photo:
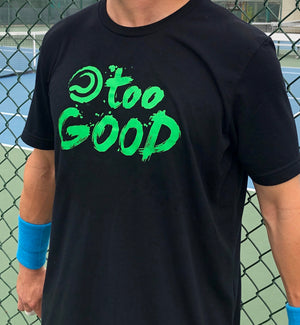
(23, 24)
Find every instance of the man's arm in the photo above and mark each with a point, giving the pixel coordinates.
(39, 184)
(280, 206)
(35, 208)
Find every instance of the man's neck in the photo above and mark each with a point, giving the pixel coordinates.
(135, 13)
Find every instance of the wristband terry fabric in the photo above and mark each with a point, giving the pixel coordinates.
(293, 314)
(33, 244)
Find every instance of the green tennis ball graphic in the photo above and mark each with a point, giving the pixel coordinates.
(92, 90)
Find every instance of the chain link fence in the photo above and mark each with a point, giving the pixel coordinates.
(23, 24)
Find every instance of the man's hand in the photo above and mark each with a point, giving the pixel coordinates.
(30, 284)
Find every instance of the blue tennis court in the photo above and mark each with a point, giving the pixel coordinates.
(19, 51)
(18, 60)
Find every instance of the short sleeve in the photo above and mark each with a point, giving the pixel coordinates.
(38, 131)
(267, 141)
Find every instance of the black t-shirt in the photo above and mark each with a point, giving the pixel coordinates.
(155, 130)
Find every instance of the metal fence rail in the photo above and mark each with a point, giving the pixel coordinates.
(22, 26)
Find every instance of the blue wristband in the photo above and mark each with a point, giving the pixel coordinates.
(33, 244)
(293, 314)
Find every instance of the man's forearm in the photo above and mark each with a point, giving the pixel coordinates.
(280, 206)
(284, 235)
(39, 187)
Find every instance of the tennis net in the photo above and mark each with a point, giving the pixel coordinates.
(19, 52)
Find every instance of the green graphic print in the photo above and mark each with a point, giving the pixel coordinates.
(92, 90)
(72, 136)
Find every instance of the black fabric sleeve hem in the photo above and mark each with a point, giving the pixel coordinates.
(280, 175)
(36, 142)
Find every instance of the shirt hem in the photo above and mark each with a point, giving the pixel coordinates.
(280, 175)
(37, 142)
